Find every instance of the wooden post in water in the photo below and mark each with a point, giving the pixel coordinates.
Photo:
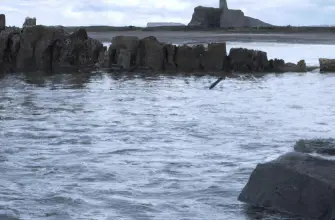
(217, 82)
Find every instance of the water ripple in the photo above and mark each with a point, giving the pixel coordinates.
(107, 147)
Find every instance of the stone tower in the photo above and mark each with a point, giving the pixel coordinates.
(223, 4)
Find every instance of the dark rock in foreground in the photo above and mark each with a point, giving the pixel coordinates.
(295, 183)
(320, 146)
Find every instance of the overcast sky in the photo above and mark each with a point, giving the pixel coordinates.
(139, 12)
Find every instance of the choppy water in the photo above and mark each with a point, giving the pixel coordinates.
(124, 148)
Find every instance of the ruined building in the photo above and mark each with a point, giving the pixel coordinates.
(209, 17)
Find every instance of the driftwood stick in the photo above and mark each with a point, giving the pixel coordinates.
(216, 82)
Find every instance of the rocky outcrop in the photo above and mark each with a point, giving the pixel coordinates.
(327, 65)
(48, 49)
(127, 52)
(279, 66)
(188, 59)
(206, 17)
(150, 54)
(118, 46)
(320, 146)
(247, 61)
(52, 49)
(29, 22)
(294, 183)
(215, 57)
(2, 22)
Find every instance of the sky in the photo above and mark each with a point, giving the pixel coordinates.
(139, 12)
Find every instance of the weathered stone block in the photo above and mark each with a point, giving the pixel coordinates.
(214, 58)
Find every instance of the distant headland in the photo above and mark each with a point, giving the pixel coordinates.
(209, 17)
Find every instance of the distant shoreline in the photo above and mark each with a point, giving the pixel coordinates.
(271, 29)
(200, 37)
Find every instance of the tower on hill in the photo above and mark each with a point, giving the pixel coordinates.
(223, 4)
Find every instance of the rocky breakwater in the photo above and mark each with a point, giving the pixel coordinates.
(131, 53)
(48, 49)
(296, 183)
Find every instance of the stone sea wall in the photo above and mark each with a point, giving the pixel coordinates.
(129, 52)
(52, 49)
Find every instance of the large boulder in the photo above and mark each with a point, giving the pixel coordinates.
(320, 146)
(206, 17)
(247, 61)
(295, 183)
(150, 54)
(327, 65)
(214, 58)
(36, 44)
(2, 22)
(51, 49)
(189, 59)
(76, 52)
(130, 43)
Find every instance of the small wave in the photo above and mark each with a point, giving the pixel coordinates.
(126, 151)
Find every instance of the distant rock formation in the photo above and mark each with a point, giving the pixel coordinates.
(206, 17)
(2, 22)
(209, 17)
(164, 24)
(29, 22)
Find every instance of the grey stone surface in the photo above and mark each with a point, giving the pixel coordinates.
(47, 49)
(223, 4)
(150, 54)
(248, 61)
(2, 22)
(214, 58)
(232, 18)
(124, 58)
(188, 59)
(223, 17)
(295, 183)
(206, 17)
(130, 43)
(327, 65)
(320, 146)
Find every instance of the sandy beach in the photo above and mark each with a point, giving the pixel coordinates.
(207, 37)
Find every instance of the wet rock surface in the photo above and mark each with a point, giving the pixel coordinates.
(295, 183)
(327, 65)
(52, 49)
(207, 17)
(47, 49)
(320, 146)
